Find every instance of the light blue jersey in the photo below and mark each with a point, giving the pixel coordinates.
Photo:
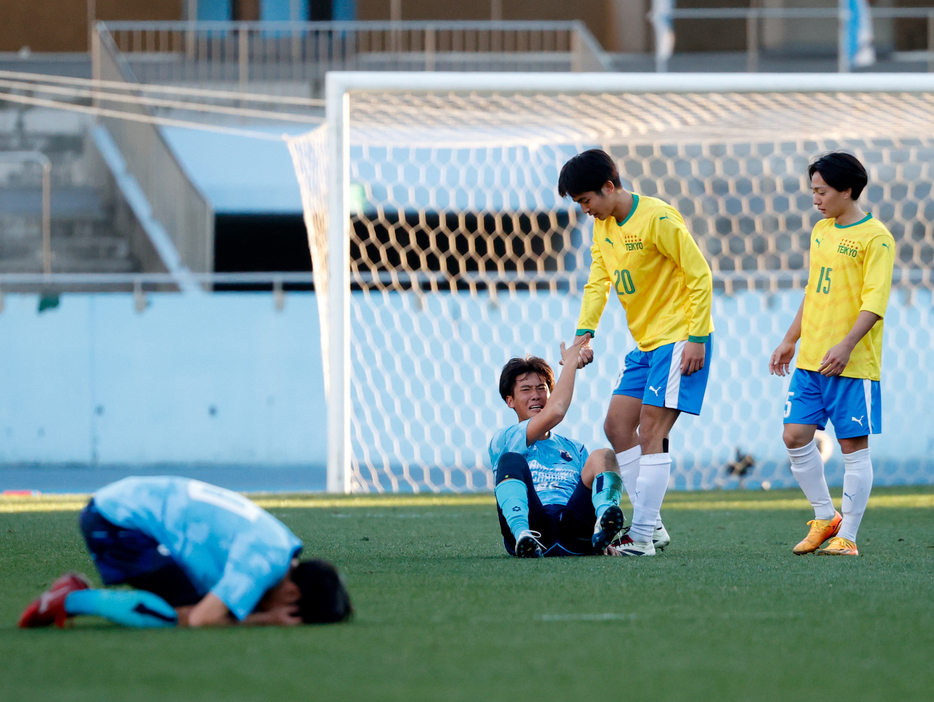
(226, 545)
(556, 462)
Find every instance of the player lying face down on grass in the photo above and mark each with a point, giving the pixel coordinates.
(198, 555)
(553, 499)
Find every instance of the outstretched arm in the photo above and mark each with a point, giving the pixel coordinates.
(560, 399)
(781, 357)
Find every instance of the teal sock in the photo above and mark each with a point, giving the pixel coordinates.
(512, 496)
(606, 491)
(136, 608)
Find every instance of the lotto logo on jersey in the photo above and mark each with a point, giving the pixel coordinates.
(848, 248)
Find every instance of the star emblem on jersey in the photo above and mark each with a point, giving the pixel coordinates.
(565, 455)
(848, 247)
(632, 242)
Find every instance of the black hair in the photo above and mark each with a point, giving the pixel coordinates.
(587, 172)
(520, 366)
(841, 171)
(324, 598)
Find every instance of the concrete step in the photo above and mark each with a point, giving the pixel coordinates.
(84, 248)
(33, 264)
(76, 202)
(91, 248)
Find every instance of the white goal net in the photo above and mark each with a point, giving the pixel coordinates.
(441, 249)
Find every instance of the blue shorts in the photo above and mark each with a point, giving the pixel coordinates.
(566, 530)
(854, 405)
(655, 378)
(129, 556)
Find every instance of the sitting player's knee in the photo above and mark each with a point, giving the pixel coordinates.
(513, 466)
(604, 461)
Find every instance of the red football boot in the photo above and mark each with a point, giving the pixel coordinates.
(49, 608)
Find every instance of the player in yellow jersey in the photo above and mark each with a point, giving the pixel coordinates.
(643, 251)
(837, 375)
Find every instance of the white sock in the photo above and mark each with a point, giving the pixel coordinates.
(654, 471)
(857, 484)
(628, 462)
(808, 469)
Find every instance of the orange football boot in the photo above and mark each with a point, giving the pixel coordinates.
(839, 546)
(821, 530)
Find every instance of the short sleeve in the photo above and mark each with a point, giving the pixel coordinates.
(512, 439)
(251, 569)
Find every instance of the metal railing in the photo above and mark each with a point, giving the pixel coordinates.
(289, 52)
(141, 284)
(755, 15)
(176, 202)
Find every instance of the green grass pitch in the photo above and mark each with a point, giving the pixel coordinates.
(726, 613)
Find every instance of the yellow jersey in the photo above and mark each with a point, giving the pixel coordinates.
(657, 271)
(850, 271)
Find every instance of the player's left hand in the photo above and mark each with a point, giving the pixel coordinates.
(692, 360)
(283, 615)
(835, 360)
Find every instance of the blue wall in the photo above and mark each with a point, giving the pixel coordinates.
(221, 378)
(226, 379)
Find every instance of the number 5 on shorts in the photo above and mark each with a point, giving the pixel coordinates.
(788, 404)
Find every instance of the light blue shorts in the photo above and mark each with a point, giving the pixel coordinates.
(655, 378)
(854, 405)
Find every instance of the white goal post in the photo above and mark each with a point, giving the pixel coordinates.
(421, 187)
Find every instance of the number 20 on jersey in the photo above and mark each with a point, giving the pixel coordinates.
(623, 282)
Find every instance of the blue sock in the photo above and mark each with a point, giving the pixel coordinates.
(136, 608)
(512, 496)
(607, 490)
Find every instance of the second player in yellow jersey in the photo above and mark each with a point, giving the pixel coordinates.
(850, 272)
(839, 367)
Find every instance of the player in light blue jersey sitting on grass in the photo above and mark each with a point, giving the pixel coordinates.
(198, 555)
(553, 499)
